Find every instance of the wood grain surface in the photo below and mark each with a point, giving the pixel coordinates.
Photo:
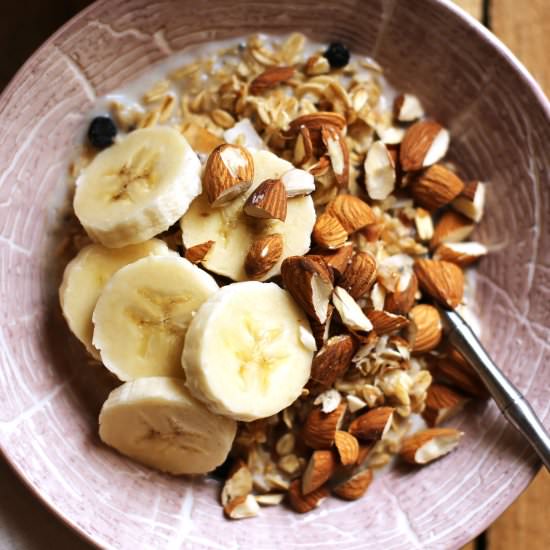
(523, 26)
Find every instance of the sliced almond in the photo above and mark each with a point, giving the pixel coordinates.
(436, 187)
(471, 202)
(355, 487)
(320, 428)
(372, 425)
(305, 503)
(321, 331)
(329, 400)
(237, 484)
(338, 260)
(303, 148)
(271, 499)
(401, 301)
(328, 232)
(452, 227)
(355, 403)
(360, 275)
(197, 253)
(462, 254)
(228, 173)
(424, 224)
(347, 447)
(309, 281)
(270, 78)
(379, 171)
(351, 212)
(378, 297)
(442, 281)
(442, 403)
(465, 379)
(338, 153)
(351, 314)
(425, 143)
(319, 469)
(298, 182)
(268, 201)
(331, 362)
(429, 329)
(200, 139)
(242, 507)
(385, 322)
(316, 65)
(428, 445)
(263, 254)
(407, 108)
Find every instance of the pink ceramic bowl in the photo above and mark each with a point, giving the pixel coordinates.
(500, 122)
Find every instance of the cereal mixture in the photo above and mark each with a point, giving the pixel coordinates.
(358, 217)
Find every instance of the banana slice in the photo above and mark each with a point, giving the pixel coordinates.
(233, 231)
(157, 422)
(138, 187)
(142, 315)
(244, 352)
(85, 277)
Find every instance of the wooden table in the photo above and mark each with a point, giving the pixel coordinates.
(523, 26)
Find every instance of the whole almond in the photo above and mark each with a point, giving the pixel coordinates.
(228, 173)
(462, 378)
(442, 281)
(319, 470)
(364, 451)
(429, 329)
(452, 227)
(347, 447)
(352, 212)
(268, 201)
(305, 503)
(328, 232)
(355, 487)
(424, 143)
(338, 260)
(263, 254)
(270, 78)
(197, 253)
(442, 403)
(373, 424)
(320, 428)
(360, 275)
(436, 187)
(331, 362)
(401, 302)
(407, 108)
(428, 445)
(385, 322)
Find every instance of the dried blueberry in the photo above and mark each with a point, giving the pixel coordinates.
(337, 55)
(102, 132)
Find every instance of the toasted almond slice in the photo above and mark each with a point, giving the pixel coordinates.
(237, 484)
(462, 254)
(298, 182)
(319, 470)
(197, 253)
(271, 499)
(351, 212)
(355, 487)
(360, 275)
(471, 202)
(338, 260)
(407, 108)
(428, 445)
(424, 224)
(429, 329)
(347, 447)
(200, 139)
(401, 301)
(442, 403)
(385, 322)
(328, 232)
(309, 281)
(372, 425)
(270, 78)
(351, 314)
(305, 503)
(331, 362)
(452, 227)
(242, 507)
(465, 379)
(268, 201)
(316, 65)
(425, 143)
(436, 187)
(338, 153)
(320, 428)
(263, 254)
(228, 173)
(379, 171)
(442, 281)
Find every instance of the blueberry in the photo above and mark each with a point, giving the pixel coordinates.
(102, 132)
(337, 55)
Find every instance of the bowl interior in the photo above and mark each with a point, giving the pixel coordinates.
(51, 397)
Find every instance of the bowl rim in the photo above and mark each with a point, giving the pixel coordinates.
(481, 30)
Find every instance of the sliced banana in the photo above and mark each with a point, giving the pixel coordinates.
(87, 274)
(142, 315)
(157, 422)
(138, 187)
(244, 354)
(233, 231)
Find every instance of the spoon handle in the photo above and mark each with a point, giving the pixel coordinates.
(509, 399)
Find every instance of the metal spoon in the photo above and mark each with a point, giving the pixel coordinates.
(510, 401)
